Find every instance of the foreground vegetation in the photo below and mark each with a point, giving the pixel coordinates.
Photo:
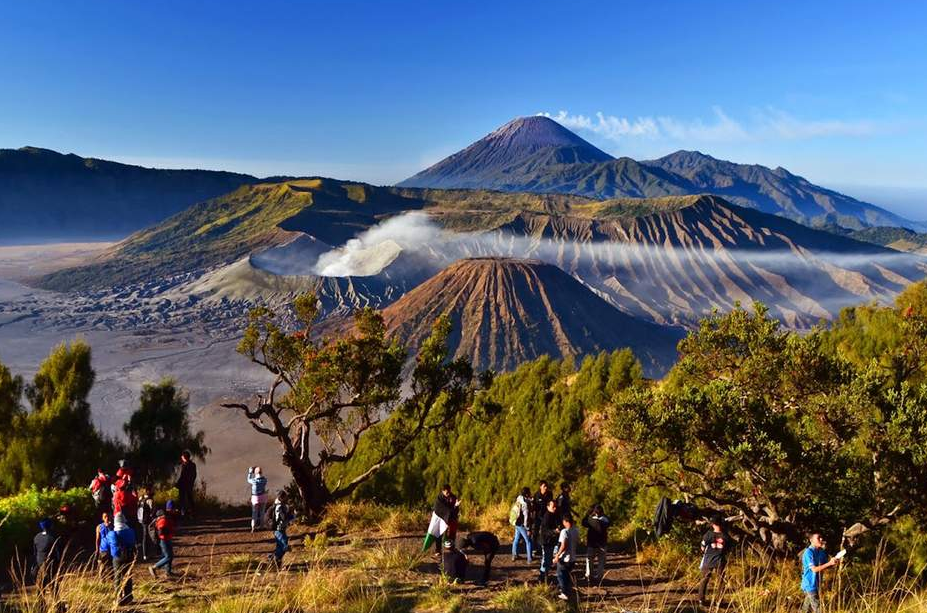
(372, 562)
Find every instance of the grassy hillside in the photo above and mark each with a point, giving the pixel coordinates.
(252, 217)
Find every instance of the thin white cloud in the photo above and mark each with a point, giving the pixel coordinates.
(762, 125)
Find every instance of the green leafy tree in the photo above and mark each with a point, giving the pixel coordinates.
(54, 443)
(776, 429)
(547, 429)
(159, 430)
(329, 393)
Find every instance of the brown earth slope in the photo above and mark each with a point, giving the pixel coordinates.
(507, 311)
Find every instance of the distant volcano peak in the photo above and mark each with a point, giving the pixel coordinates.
(538, 132)
(534, 140)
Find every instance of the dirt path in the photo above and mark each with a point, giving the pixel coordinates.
(218, 558)
(217, 547)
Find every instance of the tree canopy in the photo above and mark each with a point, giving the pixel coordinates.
(778, 429)
(330, 392)
(159, 431)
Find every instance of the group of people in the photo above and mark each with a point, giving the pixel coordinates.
(130, 528)
(542, 522)
(546, 523)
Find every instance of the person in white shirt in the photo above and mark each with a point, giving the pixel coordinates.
(566, 557)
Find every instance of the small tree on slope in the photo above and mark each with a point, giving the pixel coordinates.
(329, 393)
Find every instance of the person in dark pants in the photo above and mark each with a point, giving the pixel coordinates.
(121, 541)
(46, 549)
(281, 521)
(566, 557)
(715, 546)
(453, 562)
(596, 524)
(538, 508)
(564, 502)
(185, 484)
(550, 530)
(485, 543)
(164, 527)
(146, 515)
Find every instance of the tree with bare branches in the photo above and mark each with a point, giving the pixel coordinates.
(325, 395)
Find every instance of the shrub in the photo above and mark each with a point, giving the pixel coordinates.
(524, 599)
(19, 515)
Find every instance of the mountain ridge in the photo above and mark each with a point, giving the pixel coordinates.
(553, 167)
(46, 194)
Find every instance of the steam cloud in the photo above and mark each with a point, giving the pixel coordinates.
(659, 282)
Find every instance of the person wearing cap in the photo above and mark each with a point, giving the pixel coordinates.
(282, 519)
(46, 548)
(164, 525)
(453, 562)
(716, 543)
(121, 544)
(258, 483)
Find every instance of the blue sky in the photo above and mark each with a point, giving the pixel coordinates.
(835, 91)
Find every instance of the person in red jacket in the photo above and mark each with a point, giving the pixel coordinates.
(125, 501)
(164, 524)
(100, 489)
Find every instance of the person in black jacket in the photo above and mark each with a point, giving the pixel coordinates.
(447, 507)
(564, 503)
(485, 543)
(46, 550)
(715, 546)
(538, 508)
(453, 563)
(596, 524)
(185, 483)
(549, 533)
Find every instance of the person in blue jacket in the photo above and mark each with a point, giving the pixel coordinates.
(814, 561)
(121, 544)
(258, 496)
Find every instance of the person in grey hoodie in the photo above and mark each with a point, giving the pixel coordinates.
(258, 496)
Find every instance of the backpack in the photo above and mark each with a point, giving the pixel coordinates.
(153, 530)
(514, 513)
(269, 521)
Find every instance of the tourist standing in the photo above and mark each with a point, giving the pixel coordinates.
(520, 518)
(185, 484)
(258, 483)
(814, 561)
(596, 524)
(566, 557)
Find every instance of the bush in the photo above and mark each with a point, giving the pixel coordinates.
(524, 599)
(20, 514)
